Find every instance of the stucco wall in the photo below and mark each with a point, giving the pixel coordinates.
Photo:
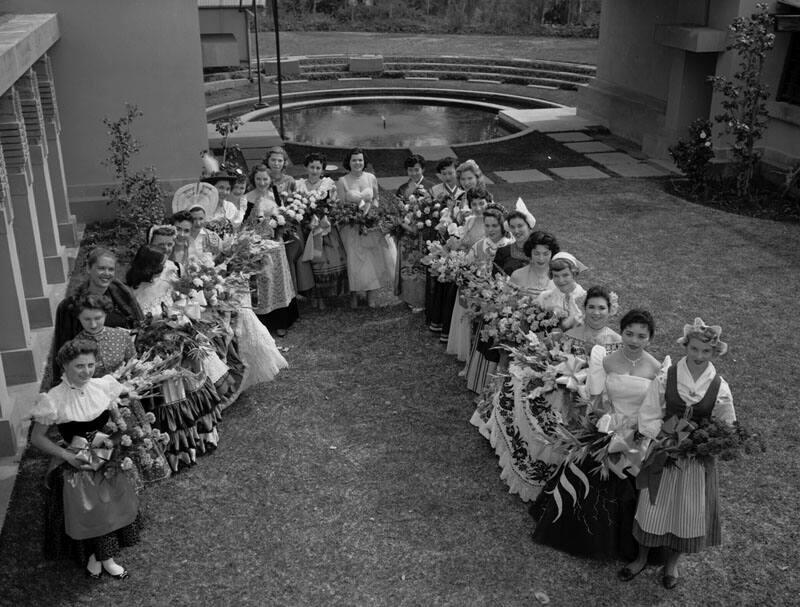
(226, 21)
(112, 51)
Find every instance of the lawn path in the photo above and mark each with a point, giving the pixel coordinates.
(356, 479)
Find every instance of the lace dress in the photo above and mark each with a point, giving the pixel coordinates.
(371, 257)
(599, 525)
(86, 511)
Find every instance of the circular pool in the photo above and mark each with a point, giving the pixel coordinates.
(376, 123)
(388, 117)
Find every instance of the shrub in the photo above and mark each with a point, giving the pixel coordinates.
(137, 194)
(693, 156)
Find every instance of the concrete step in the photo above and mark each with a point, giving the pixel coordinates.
(497, 70)
(454, 75)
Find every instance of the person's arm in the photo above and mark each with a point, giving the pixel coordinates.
(39, 439)
(723, 407)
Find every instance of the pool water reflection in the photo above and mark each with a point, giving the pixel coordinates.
(406, 124)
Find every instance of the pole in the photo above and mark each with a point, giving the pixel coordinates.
(278, 57)
(260, 103)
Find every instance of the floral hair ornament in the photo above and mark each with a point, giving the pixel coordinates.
(570, 259)
(706, 333)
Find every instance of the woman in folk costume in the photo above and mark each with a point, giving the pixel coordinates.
(200, 200)
(324, 248)
(681, 510)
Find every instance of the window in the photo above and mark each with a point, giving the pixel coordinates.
(789, 89)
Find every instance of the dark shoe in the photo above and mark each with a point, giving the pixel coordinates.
(626, 574)
(669, 581)
(281, 332)
(94, 576)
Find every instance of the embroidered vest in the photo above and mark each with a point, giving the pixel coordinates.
(675, 404)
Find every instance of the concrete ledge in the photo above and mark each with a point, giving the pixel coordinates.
(19, 366)
(68, 234)
(691, 38)
(40, 312)
(23, 41)
(289, 67)
(367, 64)
(55, 269)
(218, 85)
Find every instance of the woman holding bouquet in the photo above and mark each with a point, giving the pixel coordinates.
(481, 253)
(125, 312)
(534, 278)
(599, 525)
(114, 349)
(567, 296)
(371, 254)
(189, 406)
(409, 280)
(283, 186)
(483, 359)
(275, 305)
(328, 258)
(81, 522)
(680, 511)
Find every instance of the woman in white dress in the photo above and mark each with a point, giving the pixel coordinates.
(599, 305)
(534, 277)
(600, 524)
(568, 295)
(371, 254)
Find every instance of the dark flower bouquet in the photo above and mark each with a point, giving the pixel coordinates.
(681, 438)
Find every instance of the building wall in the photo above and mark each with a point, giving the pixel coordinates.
(115, 51)
(226, 21)
(650, 93)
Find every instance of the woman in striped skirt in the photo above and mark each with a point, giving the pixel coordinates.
(684, 514)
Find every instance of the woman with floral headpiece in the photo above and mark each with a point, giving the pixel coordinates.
(598, 522)
(680, 511)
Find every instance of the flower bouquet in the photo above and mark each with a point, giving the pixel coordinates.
(510, 316)
(245, 252)
(138, 446)
(449, 265)
(142, 374)
(681, 438)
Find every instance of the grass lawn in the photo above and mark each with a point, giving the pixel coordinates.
(356, 479)
(574, 50)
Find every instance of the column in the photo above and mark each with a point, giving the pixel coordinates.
(55, 258)
(25, 221)
(15, 338)
(67, 225)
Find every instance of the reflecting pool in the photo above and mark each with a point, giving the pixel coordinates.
(391, 124)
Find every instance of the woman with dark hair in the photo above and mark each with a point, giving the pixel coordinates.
(409, 273)
(144, 277)
(599, 306)
(534, 278)
(323, 244)
(600, 523)
(100, 280)
(88, 525)
(115, 348)
(371, 254)
(512, 257)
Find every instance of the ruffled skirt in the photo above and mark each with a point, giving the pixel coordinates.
(258, 349)
(371, 258)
